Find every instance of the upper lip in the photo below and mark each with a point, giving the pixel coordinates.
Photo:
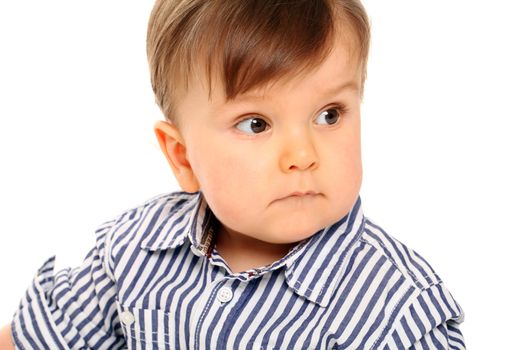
(297, 194)
(301, 193)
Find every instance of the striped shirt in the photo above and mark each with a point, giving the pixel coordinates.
(154, 280)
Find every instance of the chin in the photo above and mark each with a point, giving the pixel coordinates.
(298, 233)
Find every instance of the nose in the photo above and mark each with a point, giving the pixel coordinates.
(298, 153)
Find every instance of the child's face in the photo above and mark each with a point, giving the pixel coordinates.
(277, 167)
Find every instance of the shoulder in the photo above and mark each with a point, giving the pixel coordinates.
(423, 302)
(148, 213)
(407, 261)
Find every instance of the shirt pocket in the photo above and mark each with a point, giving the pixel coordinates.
(147, 329)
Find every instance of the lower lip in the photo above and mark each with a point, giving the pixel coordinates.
(298, 199)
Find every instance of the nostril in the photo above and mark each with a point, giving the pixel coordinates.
(305, 167)
(298, 157)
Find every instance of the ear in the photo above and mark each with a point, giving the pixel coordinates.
(172, 145)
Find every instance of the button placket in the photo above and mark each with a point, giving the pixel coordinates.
(127, 318)
(225, 294)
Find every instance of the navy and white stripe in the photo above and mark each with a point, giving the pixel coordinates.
(154, 282)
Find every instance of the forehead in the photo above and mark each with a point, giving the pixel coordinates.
(342, 64)
(339, 70)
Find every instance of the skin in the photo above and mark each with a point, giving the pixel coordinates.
(252, 181)
(249, 179)
(6, 343)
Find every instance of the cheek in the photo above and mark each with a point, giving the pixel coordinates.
(346, 152)
(353, 159)
(345, 178)
(230, 176)
(346, 165)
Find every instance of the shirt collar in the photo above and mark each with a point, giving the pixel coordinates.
(313, 268)
(180, 216)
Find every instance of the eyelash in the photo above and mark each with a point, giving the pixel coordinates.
(341, 109)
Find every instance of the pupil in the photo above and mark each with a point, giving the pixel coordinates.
(258, 125)
(331, 116)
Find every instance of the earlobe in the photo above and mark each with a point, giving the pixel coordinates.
(173, 146)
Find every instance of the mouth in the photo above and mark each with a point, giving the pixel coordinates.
(299, 195)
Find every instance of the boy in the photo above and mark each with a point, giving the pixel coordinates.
(267, 247)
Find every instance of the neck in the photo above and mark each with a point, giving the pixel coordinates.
(243, 253)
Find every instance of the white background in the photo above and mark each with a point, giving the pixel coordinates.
(442, 129)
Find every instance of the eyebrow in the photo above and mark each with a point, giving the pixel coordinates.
(351, 85)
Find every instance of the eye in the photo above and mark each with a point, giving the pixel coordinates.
(329, 117)
(252, 125)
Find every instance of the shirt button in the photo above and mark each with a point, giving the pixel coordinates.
(225, 295)
(127, 318)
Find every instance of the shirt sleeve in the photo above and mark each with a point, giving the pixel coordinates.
(430, 322)
(72, 309)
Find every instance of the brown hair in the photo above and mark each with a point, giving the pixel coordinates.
(246, 43)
